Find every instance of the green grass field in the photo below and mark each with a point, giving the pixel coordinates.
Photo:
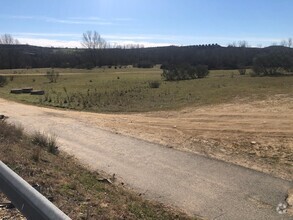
(128, 90)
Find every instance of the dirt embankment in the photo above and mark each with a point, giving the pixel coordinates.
(257, 134)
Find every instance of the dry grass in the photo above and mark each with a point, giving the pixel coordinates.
(74, 189)
(46, 141)
(131, 89)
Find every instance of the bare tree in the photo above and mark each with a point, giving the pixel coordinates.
(243, 43)
(283, 43)
(233, 44)
(12, 53)
(8, 39)
(290, 43)
(287, 43)
(92, 40)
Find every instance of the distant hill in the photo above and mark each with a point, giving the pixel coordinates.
(213, 55)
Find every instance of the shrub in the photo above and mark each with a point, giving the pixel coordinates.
(10, 133)
(201, 71)
(170, 74)
(154, 84)
(52, 76)
(242, 71)
(272, 64)
(3, 81)
(45, 141)
(184, 72)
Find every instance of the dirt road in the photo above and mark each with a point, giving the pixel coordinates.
(196, 184)
(256, 134)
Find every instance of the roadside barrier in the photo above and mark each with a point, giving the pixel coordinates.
(32, 204)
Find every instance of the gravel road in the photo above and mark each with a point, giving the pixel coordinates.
(196, 184)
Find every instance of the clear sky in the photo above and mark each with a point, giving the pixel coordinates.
(148, 22)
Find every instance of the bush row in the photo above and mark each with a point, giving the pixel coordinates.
(184, 72)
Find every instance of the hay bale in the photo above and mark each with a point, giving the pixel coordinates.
(27, 90)
(37, 92)
(16, 91)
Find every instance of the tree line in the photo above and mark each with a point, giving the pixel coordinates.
(97, 52)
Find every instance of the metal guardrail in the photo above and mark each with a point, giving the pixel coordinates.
(32, 204)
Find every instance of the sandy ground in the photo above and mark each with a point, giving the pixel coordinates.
(257, 134)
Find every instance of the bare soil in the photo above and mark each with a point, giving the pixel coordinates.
(257, 134)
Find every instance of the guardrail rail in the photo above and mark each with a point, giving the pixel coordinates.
(32, 204)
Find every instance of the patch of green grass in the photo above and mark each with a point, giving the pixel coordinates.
(128, 89)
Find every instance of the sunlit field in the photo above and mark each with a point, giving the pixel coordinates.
(127, 89)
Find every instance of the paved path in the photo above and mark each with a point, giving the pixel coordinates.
(196, 184)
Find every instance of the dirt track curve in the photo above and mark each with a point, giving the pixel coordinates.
(194, 183)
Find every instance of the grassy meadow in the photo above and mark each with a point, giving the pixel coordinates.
(128, 89)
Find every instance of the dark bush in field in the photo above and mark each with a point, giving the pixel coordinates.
(272, 64)
(3, 81)
(201, 71)
(154, 84)
(184, 72)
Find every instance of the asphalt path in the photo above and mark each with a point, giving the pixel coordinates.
(195, 184)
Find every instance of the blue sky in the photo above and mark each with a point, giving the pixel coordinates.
(148, 22)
